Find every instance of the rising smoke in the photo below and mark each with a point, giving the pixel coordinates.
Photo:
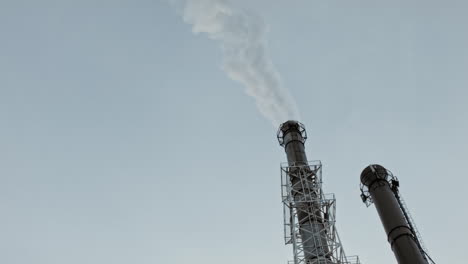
(241, 35)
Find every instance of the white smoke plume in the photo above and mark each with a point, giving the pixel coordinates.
(241, 35)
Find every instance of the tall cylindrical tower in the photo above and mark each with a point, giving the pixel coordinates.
(309, 214)
(380, 187)
(292, 136)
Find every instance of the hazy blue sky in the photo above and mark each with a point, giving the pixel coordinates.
(122, 140)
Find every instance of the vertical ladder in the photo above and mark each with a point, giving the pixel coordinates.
(411, 224)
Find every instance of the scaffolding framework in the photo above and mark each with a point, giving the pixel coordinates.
(309, 212)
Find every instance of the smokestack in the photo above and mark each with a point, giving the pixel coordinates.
(309, 213)
(292, 136)
(305, 191)
(381, 187)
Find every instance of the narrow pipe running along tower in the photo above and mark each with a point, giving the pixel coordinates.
(309, 214)
(379, 186)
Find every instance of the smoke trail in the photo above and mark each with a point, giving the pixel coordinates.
(241, 35)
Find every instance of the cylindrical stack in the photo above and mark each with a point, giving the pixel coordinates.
(292, 138)
(293, 141)
(399, 234)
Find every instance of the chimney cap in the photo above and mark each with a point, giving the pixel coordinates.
(289, 127)
(372, 173)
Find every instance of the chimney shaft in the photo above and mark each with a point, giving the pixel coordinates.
(399, 232)
(292, 136)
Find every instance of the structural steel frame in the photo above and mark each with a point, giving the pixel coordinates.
(306, 197)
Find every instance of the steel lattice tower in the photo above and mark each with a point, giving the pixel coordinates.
(309, 213)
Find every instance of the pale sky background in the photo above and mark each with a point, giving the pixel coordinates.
(122, 141)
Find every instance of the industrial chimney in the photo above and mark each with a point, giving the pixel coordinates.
(379, 186)
(309, 214)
